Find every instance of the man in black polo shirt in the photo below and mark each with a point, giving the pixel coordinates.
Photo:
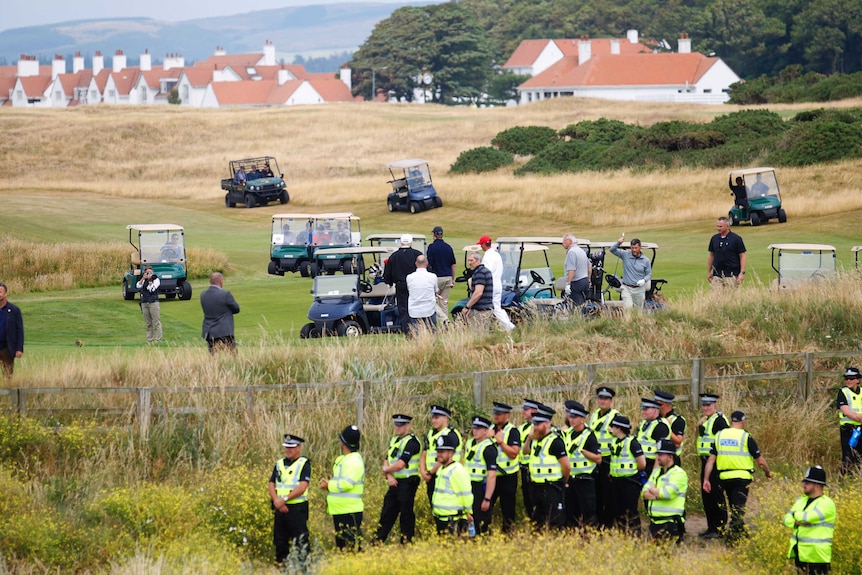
(480, 306)
(725, 266)
(401, 264)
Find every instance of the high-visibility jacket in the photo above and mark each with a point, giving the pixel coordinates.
(524, 430)
(453, 495)
(288, 479)
(811, 543)
(706, 440)
(544, 467)
(347, 485)
(396, 450)
(671, 418)
(672, 486)
(506, 465)
(431, 452)
(733, 460)
(649, 445)
(574, 447)
(854, 401)
(623, 462)
(476, 466)
(601, 426)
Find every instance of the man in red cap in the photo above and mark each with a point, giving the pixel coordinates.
(494, 263)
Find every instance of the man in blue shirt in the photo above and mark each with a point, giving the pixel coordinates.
(480, 306)
(441, 262)
(637, 273)
(11, 333)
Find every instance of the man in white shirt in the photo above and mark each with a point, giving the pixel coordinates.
(492, 260)
(422, 297)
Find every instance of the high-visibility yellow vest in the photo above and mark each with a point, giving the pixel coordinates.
(453, 495)
(431, 453)
(623, 462)
(672, 487)
(476, 466)
(812, 544)
(671, 418)
(544, 467)
(601, 426)
(347, 485)
(707, 439)
(733, 460)
(506, 465)
(648, 444)
(396, 450)
(854, 401)
(288, 479)
(574, 447)
(524, 431)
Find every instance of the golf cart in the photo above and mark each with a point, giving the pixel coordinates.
(351, 304)
(757, 198)
(411, 187)
(654, 299)
(254, 182)
(394, 241)
(295, 238)
(797, 264)
(162, 247)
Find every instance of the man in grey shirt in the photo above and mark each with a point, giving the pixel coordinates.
(577, 269)
(637, 273)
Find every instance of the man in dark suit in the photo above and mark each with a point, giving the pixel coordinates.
(219, 306)
(401, 264)
(11, 333)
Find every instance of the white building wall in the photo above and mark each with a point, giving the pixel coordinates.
(305, 95)
(209, 99)
(549, 56)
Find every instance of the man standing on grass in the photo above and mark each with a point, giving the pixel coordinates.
(508, 441)
(401, 470)
(288, 487)
(637, 274)
(664, 495)
(421, 299)
(219, 307)
(849, 404)
(148, 286)
(812, 519)
(345, 489)
(11, 333)
(480, 307)
(714, 504)
(428, 463)
(549, 471)
(578, 269)
(600, 423)
(402, 263)
(441, 263)
(494, 263)
(452, 499)
(725, 265)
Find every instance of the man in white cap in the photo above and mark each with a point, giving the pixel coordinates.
(812, 519)
(287, 490)
(401, 264)
(492, 260)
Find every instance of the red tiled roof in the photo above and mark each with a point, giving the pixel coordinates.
(526, 53)
(281, 94)
(35, 85)
(528, 50)
(198, 76)
(243, 93)
(235, 61)
(6, 83)
(330, 88)
(125, 79)
(8, 71)
(102, 79)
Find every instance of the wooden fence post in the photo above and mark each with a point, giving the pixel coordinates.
(144, 408)
(22, 401)
(696, 381)
(479, 388)
(360, 402)
(809, 374)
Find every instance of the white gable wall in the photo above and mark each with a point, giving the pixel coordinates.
(550, 55)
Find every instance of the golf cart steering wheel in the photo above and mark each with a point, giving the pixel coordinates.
(365, 287)
(168, 253)
(534, 275)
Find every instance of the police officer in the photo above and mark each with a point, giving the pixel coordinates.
(401, 470)
(600, 423)
(481, 461)
(812, 519)
(584, 456)
(287, 490)
(849, 404)
(525, 430)
(452, 500)
(664, 494)
(652, 428)
(714, 505)
(673, 419)
(549, 471)
(734, 454)
(344, 498)
(428, 464)
(508, 441)
(627, 463)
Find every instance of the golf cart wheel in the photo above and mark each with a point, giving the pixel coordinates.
(249, 201)
(347, 267)
(283, 197)
(128, 295)
(782, 216)
(349, 328)
(438, 203)
(755, 219)
(305, 269)
(391, 205)
(309, 331)
(415, 207)
(186, 293)
(272, 269)
(313, 270)
(227, 202)
(733, 220)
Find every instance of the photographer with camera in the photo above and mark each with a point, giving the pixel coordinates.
(149, 288)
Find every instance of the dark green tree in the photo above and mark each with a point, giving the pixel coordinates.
(830, 32)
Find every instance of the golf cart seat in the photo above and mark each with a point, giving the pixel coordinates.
(135, 258)
(381, 291)
(550, 302)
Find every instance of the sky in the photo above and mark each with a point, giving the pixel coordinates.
(16, 14)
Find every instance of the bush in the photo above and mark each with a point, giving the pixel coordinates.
(525, 140)
(601, 131)
(483, 159)
(817, 142)
(748, 125)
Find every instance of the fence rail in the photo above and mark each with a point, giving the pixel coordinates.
(691, 375)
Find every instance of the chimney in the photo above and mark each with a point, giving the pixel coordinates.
(585, 50)
(27, 66)
(615, 45)
(146, 62)
(684, 44)
(269, 54)
(346, 76)
(119, 61)
(219, 51)
(173, 61)
(283, 76)
(58, 66)
(98, 63)
(632, 36)
(77, 63)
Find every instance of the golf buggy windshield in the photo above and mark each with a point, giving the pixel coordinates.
(416, 176)
(289, 231)
(162, 246)
(336, 286)
(761, 184)
(333, 231)
(517, 264)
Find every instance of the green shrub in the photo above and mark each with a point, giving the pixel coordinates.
(817, 142)
(748, 124)
(483, 159)
(525, 140)
(601, 131)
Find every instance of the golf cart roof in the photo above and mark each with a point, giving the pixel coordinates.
(155, 227)
(293, 216)
(624, 245)
(360, 250)
(748, 171)
(397, 237)
(336, 215)
(856, 249)
(542, 240)
(803, 247)
(409, 163)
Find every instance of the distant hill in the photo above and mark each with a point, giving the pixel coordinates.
(310, 31)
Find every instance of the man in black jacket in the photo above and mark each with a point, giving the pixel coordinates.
(401, 264)
(218, 306)
(11, 333)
